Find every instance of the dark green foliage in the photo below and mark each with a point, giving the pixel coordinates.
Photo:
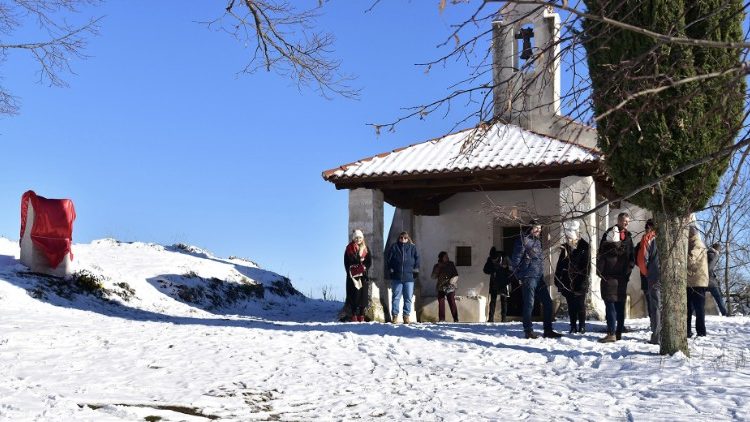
(88, 282)
(79, 283)
(284, 288)
(190, 294)
(124, 290)
(215, 293)
(655, 134)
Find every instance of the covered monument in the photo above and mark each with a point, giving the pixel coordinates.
(47, 234)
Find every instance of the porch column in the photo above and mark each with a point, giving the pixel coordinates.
(578, 196)
(366, 214)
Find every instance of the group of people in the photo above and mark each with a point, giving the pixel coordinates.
(402, 261)
(616, 258)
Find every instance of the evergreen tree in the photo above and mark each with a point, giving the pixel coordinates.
(655, 134)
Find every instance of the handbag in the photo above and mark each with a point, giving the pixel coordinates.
(357, 272)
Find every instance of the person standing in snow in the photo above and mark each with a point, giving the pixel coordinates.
(647, 259)
(402, 262)
(640, 253)
(697, 282)
(447, 281)
(527, 264)
(713, 280)
(572, 276)
(497, 268)
(357, 261)
(614, 264)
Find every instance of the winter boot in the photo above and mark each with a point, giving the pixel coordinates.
(618, 335)
(407, 319)
(573, 329)
(582, 329)
(531, 334)
(395, 319)
(551, 334)
(609, 338)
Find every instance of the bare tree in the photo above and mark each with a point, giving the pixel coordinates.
(286, 40)
(327, 292)
(727, 221)
(57, 44)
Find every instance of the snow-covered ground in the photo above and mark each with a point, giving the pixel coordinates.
(164, 355)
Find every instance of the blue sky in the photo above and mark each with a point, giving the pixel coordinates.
(158, 139)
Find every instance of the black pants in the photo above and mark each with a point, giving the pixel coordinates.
(503, 307)
(696, 301)
(356, 298)
(644, 289)
(576, 310)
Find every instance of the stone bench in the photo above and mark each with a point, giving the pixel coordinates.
(470, 309)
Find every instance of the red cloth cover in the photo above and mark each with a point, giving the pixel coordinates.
(52, 231)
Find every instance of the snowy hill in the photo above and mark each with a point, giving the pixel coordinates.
(174, 280)
(146, 332)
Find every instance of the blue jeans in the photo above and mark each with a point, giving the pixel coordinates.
(716, 293)
(405, 288)
(530, 288)
(615, 315)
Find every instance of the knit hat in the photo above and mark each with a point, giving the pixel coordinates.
(357, 233)
(571, 229)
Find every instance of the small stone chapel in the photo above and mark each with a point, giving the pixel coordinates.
(469, 191)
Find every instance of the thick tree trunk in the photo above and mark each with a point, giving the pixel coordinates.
(672, 242)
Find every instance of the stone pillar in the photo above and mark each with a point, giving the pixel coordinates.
(578, 196)
(366, 214)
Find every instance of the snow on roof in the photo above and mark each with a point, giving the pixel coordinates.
(500, 146)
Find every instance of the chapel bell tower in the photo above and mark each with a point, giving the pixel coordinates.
(526, 70)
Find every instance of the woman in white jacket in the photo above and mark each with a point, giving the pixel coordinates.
(697, 282)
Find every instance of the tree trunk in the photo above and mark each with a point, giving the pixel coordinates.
(672, 243)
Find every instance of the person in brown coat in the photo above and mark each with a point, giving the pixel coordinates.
(697, 282)
(447, 281)
(614, 264)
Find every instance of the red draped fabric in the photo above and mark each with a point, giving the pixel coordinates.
(52, 230)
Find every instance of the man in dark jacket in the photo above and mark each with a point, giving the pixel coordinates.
(497, 268)
(402, 261)
(713, 280)
(615, 262)
(527, 264)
